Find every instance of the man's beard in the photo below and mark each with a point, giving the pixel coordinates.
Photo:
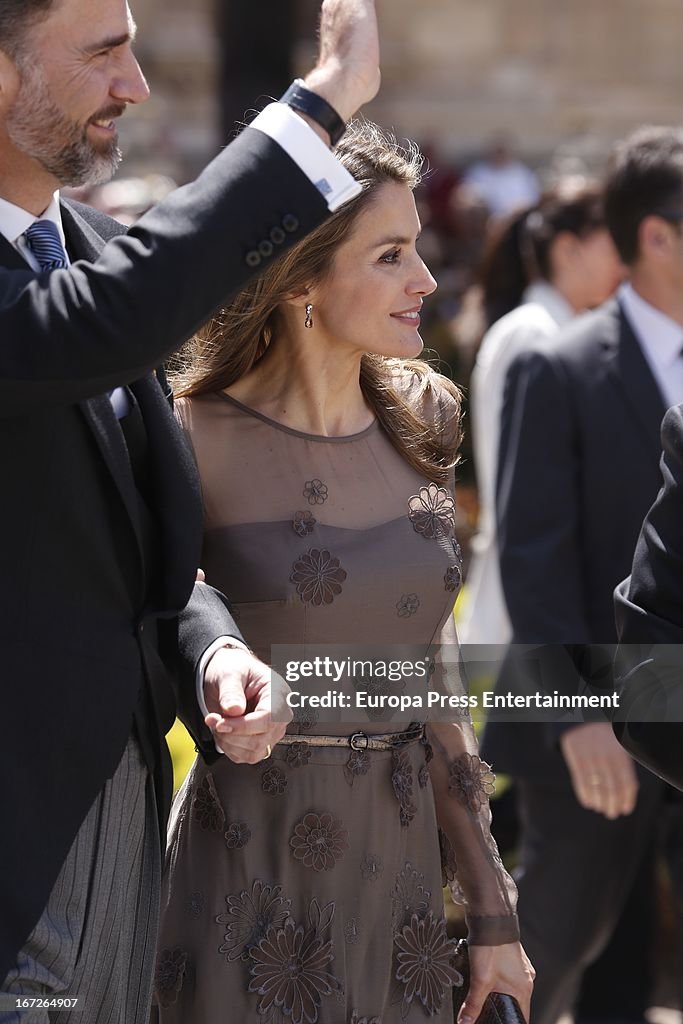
(41, 130)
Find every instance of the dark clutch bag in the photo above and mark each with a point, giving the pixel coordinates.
(499, 1008)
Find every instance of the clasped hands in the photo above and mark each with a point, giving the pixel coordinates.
(244, 697)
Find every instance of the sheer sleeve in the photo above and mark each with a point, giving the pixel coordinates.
(462, 784)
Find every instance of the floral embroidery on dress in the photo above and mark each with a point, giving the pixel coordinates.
(298, 755)
(291, 967)
(316, 492)
(408, 896)
(319, 840)
(471, 780)
(238, 835)
(452, 578)
(195, 903)
(357, 764)
(432, 512)
(249, 917)
(449, 865)
(207, 806)
(423, 776)
(357, 1019)
(303, 523)
(274, 781)
(402, 781)
(423, 956)
(169, 975)
(371, 867)
(305, 718)
(318, 577)
(351, 932)
(272, 1016)
(407, 606)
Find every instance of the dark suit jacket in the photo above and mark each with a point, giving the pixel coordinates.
(577, 472)
(85, 623)
(650, 622)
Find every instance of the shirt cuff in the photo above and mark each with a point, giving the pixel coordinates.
(221, 641)
(309, 152)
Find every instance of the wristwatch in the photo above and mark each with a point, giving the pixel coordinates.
(298, 97)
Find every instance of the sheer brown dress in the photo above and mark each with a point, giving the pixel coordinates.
(309, 887)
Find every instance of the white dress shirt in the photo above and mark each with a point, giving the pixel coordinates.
(484, 618)
(661, 340)
(14, 222)
(307, 149)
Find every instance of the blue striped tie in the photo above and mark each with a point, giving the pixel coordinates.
(46, 245)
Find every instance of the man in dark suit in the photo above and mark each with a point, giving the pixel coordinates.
(578, 470)
(649, 664)
(101, 513)
(649, 605)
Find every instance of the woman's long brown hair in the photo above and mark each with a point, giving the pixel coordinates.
(229, 345)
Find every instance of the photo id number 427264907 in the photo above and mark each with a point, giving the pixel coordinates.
(10, 1001)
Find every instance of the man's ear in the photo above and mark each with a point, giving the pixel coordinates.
(10, 81)
(654, 237)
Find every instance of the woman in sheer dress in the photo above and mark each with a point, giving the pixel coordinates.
(308, 887)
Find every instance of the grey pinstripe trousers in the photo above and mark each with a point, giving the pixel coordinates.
(96, 938)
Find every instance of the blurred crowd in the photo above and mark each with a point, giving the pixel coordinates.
(519, 254)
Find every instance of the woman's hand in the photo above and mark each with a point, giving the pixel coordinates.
(497, 969)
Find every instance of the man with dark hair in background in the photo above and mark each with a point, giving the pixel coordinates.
(101, 512)
(578, 470)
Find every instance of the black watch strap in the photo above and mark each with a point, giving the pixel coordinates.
(298, 97)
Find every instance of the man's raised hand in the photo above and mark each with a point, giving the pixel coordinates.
(347, 74)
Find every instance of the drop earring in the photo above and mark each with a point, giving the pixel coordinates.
(308, 322)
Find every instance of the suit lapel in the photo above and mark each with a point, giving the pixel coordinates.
(10, 258)
(177, 501)
(100, 417)
(83, 243)
(631, 373)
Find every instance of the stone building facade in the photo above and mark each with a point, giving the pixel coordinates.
(555, 73)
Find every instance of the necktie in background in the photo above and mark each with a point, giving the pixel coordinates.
(46, 245)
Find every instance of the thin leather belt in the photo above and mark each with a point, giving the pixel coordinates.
(359, 740)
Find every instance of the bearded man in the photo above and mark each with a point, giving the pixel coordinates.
(101, 513)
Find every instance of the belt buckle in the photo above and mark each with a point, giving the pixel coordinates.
(358, 738)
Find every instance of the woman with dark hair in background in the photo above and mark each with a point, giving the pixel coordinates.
(309, 887)
(544, 266)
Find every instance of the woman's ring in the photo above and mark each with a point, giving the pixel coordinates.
(269, 751)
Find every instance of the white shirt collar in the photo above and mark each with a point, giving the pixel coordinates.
(555, 305)
(14, 221)
(660, 336)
